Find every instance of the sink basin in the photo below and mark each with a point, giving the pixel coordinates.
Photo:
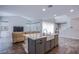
(50, 37)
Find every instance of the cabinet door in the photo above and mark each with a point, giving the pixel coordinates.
(40, 44)
(52, 43)
(31, 46)
(56, 40)
(47, 46)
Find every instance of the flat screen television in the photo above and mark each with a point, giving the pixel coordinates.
(18, 29)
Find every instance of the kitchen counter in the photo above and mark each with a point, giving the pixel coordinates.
(38, 36)
(37, 44)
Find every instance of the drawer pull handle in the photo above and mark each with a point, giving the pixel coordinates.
(39, 43)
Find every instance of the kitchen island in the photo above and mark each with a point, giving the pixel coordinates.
(40, 44)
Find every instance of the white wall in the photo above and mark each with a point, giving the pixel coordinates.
(72, 31)
(64, 20)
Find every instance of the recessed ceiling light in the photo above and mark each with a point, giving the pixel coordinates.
(43, 9)
(71, 10)
(54, 15)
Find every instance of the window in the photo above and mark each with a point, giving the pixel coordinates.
(48, 28)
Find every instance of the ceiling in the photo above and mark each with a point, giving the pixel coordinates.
(35, 11)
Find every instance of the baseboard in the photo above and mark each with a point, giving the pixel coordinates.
(69, 37)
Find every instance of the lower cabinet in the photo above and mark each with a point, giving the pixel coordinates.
(40, 44)
(56, 40)
(36, 46)
(52, 43)
(31, 46)
(47, 46)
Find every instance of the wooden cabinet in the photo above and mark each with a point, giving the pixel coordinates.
(18, 36)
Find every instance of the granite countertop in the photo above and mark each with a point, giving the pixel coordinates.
(35, 38)
(40, 36)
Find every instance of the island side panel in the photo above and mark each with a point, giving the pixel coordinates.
(31, 46)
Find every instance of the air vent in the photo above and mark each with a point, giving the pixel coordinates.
(49, 6)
